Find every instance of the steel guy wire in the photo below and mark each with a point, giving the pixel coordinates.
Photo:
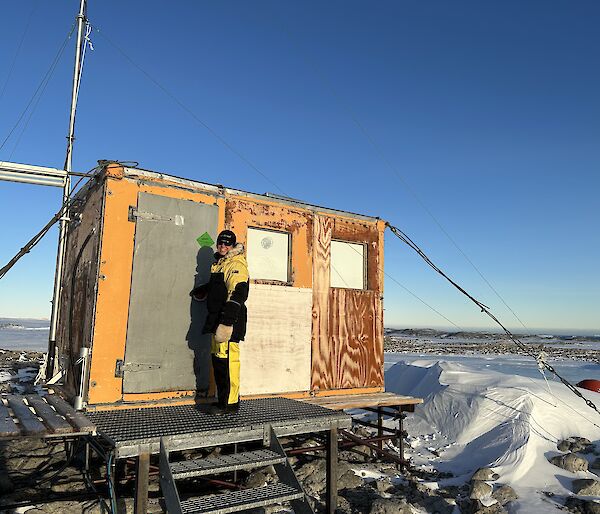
(223, 141)
(217, 136)
(484, 309)
(38, 237)
(409, 292)
(41, 84)
(33, 109)
(388, 163)
(12, 65)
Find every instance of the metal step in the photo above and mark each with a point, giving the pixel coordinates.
(225, 463)
(236, 501)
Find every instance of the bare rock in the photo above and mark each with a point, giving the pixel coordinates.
(586, 487)
(480, 489)
(591, 507)
(257, 479)
(504, 495)
(485, 474)
(353, 456)
(563, 446)
(312, 475)
(438, 505)
(361, 499)
(269, 470)
(343, 506)
(390, 506)
(6, 485)
(580, 506)
(570, 462)
(496, 508)
(575, 444)
(349, 480)
(384, 485)
(422, 488)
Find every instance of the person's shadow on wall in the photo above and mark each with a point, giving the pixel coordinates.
(198, 342)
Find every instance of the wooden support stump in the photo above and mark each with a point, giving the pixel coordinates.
(380, 427)
(401, 434)
(332, 471)
(141, 483)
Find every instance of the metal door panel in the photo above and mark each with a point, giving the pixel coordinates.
(165, 348)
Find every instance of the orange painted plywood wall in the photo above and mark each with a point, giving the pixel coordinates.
(347, 329)
(243, 212)
(112, 305)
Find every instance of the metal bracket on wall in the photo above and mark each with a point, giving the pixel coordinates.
(134, 214)
(121, 367)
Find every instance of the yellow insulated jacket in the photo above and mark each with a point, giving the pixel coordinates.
(227, 292)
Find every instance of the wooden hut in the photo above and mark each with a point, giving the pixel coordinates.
(139, 241)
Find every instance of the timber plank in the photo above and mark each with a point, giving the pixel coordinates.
(77, 419)
(359, 401)
(323, 363)
(8, 428)
(54, 421)
(28, 422)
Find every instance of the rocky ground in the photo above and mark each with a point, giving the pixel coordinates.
(34, 473)
(489, 347)
(18, 370)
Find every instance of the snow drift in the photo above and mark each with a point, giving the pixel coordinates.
(478, 417)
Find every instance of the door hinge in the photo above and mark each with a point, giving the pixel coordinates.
(134, 214)
(121, 367)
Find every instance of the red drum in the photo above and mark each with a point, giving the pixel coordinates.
(592, 385)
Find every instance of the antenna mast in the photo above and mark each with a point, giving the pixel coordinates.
(62, 238)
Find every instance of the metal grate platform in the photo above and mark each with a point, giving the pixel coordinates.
(191, 426)
(225, 463)
(236, 500)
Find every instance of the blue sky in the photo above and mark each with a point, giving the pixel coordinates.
(485, 117)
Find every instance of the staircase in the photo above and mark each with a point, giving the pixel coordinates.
(286, 490)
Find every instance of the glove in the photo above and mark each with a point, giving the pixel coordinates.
(199, 293)
(223, 333)
(199, 297)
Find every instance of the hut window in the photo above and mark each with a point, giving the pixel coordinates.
(268, 254)
(347, 265)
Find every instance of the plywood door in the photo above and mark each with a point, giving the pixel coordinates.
(347, 342)
(356, 354)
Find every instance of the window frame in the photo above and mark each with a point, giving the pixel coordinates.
(272, 281)
(365, 267)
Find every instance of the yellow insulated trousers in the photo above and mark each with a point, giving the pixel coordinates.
(226, 367)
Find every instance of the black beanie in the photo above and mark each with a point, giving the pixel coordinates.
(227, 237)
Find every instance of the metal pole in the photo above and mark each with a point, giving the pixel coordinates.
(62, 237)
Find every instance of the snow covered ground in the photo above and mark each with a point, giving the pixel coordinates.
(484, 412)
(480, 410)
